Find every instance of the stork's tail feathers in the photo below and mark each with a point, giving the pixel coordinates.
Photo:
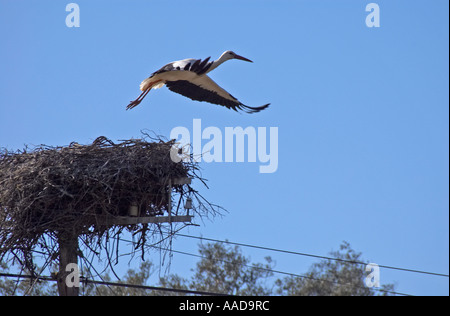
(150, 83)
(145, 84)
(250, 109)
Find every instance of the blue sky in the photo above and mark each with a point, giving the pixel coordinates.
(362, 114)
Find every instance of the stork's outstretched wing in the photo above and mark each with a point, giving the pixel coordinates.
(205, 89)
(195, 65)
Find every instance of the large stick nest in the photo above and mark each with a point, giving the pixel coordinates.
(51, 190)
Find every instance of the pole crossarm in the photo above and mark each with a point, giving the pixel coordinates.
(128, 220)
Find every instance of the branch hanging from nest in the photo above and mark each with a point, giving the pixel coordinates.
(48, 190)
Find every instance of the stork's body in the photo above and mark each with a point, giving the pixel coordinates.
(188, 77)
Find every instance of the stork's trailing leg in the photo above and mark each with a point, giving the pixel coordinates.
(138, 100)
(143, 94)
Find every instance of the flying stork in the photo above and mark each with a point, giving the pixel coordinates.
(188, 78)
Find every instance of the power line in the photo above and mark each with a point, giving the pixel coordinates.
(27, 276)
(310, 255)
(270, 270)
(155, 288)
(185, 291)
(136, 286)
(266, 269)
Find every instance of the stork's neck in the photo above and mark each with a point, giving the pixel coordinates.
(223, 58)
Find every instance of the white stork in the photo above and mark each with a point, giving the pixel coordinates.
(188, 77)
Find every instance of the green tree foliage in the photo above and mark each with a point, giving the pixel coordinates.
(340, 277)
(139, 277)
(226, 270)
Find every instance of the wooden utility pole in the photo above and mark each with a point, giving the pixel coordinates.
(68, 278)
(68, 275)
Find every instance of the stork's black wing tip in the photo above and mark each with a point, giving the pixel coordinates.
(251, 109)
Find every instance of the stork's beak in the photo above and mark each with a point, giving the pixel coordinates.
(242, 58)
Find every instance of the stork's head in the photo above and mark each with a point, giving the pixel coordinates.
(232, 55)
